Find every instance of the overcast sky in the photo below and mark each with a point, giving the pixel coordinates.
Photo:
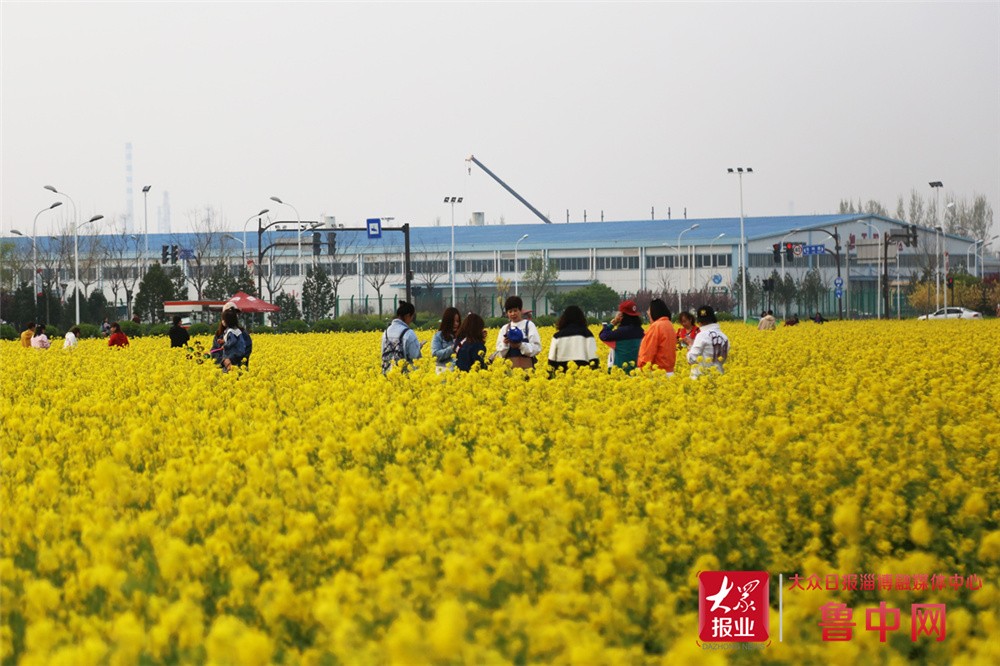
(369, 110)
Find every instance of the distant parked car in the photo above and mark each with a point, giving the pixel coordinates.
(953, 313)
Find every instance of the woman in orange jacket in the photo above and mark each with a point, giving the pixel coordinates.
(659, 345)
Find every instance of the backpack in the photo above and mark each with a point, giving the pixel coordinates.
(393, 351)
(249, 349)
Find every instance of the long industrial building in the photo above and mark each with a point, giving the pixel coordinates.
(689, 255)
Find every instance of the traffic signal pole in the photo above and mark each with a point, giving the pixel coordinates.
(405, 229)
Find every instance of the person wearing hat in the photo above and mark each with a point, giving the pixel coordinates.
(659, 344)
(624, 335)
(711, 347)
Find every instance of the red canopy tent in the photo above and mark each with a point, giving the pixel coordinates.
(247, 303)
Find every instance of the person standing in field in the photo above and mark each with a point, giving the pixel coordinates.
(659, 345)
(687, 331)
(443, 342)
(711, 347)
(399, 342)
(573, 342)
(117, 337)
(179, 335)
(27, 334)
(470, 343)
(518, 339)
(624, 335)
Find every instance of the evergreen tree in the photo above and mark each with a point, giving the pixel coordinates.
(289, 309)
(539, 278)
(221, 283)
(155, 288)
(318, 297)
(180, 282)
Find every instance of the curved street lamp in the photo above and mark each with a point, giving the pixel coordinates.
(691, 228)
(34, 252)
(516, 272)
(262, 213)
(743, 239)
(298, 235)
(76, 261)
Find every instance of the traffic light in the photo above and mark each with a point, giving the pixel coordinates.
(913, 236)
(331, 243)
(173, 254)
(789, 252)
(317, 242)
(951, 282)
(769, 284)
(165, 254)
(777, 253)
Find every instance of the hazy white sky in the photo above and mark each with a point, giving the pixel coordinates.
(367, 110)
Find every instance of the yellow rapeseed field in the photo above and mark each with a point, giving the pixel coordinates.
(311, 511)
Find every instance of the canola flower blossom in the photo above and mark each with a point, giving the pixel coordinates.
(312, 511)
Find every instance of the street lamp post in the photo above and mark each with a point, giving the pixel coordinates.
(34, 252)
(691, 228)
(517, 273)
(145, 224)
(936, 186)
(878, 265)
(298, 235)
(262, 213)
(243, 243)
(743, 240)
(76, 273)
(76, 261)
(981, 255)
(451, 268)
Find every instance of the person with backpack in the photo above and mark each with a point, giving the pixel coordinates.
(624, 335)
(518, 339)
(230, 346)
(399, 342)
(711, 347)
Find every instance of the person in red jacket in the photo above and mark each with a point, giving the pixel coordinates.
(117, 338)
(659, 345)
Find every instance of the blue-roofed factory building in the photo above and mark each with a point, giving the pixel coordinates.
(628, 256)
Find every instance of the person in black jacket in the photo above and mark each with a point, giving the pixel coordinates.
(470, 345)
(178, 334)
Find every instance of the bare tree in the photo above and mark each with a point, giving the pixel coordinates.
(431, 268)
(378, 269)
(120, 251)
(207, 225)
(478, 298)
(338, 268)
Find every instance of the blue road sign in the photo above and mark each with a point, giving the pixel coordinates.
(839, 293)
(185, 253)
(717, 279)
(838, 282)
(813, 249)
(374, 225)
